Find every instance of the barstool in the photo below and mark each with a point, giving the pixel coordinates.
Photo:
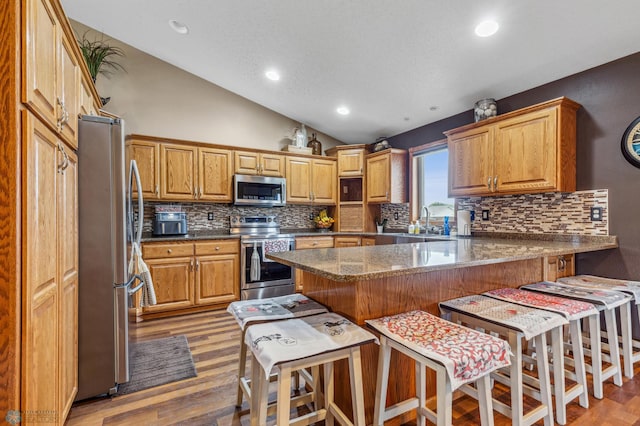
(458, 354)
(248, 312)
(516, 322)
(300, 343)
(629, 287)
(605, 301)
(574, 311)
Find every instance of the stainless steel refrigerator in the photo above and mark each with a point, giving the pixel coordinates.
(106, 230)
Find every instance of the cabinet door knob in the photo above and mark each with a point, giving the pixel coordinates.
(217, 248)
(315, 243)
(169, 251)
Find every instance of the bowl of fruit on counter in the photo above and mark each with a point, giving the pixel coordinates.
(323, 222)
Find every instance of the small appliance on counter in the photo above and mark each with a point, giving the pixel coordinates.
(170, 223)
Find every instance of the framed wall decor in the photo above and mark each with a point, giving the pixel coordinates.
(630, 143)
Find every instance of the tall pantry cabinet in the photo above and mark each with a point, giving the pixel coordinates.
(44, 85)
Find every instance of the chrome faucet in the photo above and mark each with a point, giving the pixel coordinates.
(426, 215)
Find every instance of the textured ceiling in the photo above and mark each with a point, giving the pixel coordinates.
(389, 61)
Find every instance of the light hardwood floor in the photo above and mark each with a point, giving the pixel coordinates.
(209, 398)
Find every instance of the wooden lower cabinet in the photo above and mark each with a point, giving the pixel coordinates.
(347, 242)
(555, 267)
(368, 241)
(306, 243)
(193, 274)
(173, 283)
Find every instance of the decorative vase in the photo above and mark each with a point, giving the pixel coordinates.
(315, 145)
(485, 108)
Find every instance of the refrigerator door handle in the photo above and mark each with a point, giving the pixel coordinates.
(134, 173)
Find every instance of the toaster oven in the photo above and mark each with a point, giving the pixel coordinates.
(170, 223)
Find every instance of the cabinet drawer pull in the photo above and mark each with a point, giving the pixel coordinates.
(495, 183)
(315, 243)
(169, 251)
(217, 248)
(489, 183)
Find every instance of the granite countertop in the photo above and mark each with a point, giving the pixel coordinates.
(359, 263)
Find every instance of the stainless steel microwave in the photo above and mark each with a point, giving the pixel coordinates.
(262, 191)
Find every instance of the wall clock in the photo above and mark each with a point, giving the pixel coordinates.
(631, 143)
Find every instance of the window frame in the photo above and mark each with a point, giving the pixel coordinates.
(414, 208)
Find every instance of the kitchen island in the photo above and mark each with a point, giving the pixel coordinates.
(369, 282)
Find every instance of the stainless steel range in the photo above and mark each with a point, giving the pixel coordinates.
(260, 277)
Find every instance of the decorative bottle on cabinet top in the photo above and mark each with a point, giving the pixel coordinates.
(315, 144)
(484, 109)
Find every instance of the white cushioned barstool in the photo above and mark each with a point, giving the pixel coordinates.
(458, 354)
(248, 312)
(574, 311)
(629, 344)
(300, 343)
(605, 301)
(516, 322)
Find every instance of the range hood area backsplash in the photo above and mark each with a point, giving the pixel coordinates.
(289, 216)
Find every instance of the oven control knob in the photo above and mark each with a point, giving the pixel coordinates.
(269, 219)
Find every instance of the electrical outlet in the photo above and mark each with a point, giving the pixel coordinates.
(485, 214)
(396, 216)
(311, 216)
(472, 215)
(596, 214)
(210, 216)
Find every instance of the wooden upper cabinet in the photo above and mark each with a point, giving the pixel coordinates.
(87, 103)
(147, 156)
(40, 62)
(311, 180)
(215, 175)
(254, 163)
(387, 176)
(69, 92)
(298, 180)
(178, 171)
(526, 151)
(470, 162)
(351, 162)
(324, 182)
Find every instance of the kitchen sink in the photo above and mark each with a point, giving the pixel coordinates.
(405, 239)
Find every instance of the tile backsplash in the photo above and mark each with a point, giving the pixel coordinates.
(548, 213)
(290, 216)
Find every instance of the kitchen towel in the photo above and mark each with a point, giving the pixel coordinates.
(254, 272)
(273, 246)
(137, 265)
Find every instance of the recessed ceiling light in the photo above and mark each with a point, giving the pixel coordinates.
(434, 108)
(487, 28)
(343, 110)
(178, 27)
(272, 75)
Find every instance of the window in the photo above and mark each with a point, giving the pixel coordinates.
(430, 177)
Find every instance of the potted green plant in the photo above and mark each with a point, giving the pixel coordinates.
(100, 56)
